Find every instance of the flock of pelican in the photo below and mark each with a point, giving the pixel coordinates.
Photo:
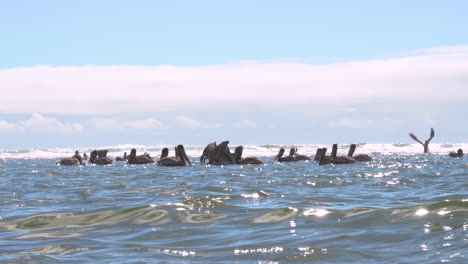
(220, 154)
(213, 154)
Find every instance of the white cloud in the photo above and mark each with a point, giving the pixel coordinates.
(110, 123)
(39, 122)
(444, 50)
(7, 126)
(432, 75)
(352, 123)
(187, 122)
(113, 123)
(149, 123)
(245, 124)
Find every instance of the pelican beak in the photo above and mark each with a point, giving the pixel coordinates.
(183, 154)
(276, 158)
(320, 156)
(206, 151)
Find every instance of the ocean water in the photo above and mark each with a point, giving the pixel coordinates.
(402, 207)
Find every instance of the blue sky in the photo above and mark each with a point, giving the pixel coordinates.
(157, 72)
(215, 32)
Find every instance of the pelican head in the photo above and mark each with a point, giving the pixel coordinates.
(334, 150)
(164, 152)
(132, 154)
(352, 148)
(280, 154)
(181, 153)
(320, 156)
(317, 154)
(238, 153)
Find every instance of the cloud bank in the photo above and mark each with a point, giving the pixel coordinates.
(430, 75)
(40, 123)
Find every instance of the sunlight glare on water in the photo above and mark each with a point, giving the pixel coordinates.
(398, 208)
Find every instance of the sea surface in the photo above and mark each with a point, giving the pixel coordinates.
(402, 207)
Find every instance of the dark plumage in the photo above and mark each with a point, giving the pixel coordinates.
(141, 159)
(180, 158)
(426, 143)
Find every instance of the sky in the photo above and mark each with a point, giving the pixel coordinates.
(100, 73)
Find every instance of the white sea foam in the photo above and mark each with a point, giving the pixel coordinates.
(249, 150)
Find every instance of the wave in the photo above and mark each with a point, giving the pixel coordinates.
(269, 150)
(162, 214)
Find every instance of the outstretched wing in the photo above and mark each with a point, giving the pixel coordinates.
(207, 152)
(415, 138)
(432, 135)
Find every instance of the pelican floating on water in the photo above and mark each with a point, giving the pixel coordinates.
(141, 159)
(458, 154)
(75, 160)
(221, 155)
(426, 143)
(340, 159)
(243, 161)
(321, 158)
(293, 153)
(217, 154)
(333, 159)
(358, 157)
(279, 157)
(99, 157)
(180, 158)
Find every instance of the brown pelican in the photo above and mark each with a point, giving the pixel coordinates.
(321, 158)
(218, 154)
(458, 154)
(75, 160)
(316, 158)
(221, 155)
(180, 158)
(141, 159)
(333, 158)
(340, 159)
(122, 159)
(325, 159)
(358, 157)
(99, 157)
(207, 152)
(426, 143)
(243, 161)
(280, 157)
(293, 153)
